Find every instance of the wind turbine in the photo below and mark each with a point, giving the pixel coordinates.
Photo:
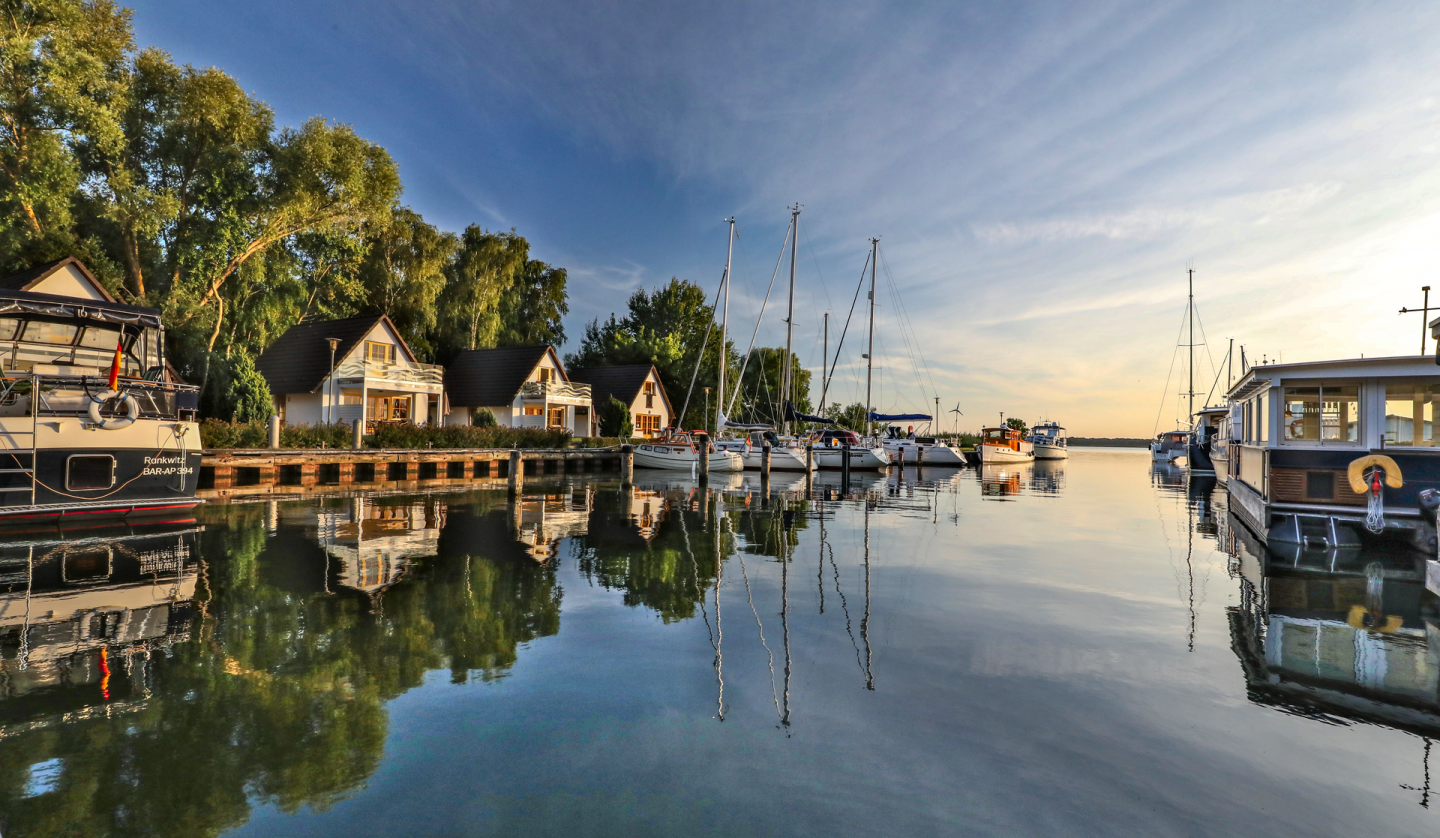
(958, 414)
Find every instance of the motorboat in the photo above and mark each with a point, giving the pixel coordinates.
(681, 451)
(1004, 445)
(785, 455)
(832, 445)
(1169, 446)
(920, 450)
(1050, 441)
(1209, 438)
(78, 440)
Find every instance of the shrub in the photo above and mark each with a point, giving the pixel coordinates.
(249, 393)
(333, 435)
(467, 436)
(217, 434)
(483, 418)
(614, 417)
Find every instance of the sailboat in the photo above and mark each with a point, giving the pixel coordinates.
(1172, 445)
(682, 449)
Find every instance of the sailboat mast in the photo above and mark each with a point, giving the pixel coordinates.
(724, 316)
(824, 354)
(789, 322)
(870, 351)
(1191, 310)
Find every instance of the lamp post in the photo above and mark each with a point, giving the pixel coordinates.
(330, 406)
(707, 408)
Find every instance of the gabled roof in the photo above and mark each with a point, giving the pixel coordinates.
(27, 280)
(623, 382)
(300, 360)
(492, 377)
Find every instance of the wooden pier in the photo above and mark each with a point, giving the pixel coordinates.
(252, 471)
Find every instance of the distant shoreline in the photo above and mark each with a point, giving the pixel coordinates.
(1109, 442)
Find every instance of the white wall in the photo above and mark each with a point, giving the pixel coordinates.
(303, 409)
(68, 282)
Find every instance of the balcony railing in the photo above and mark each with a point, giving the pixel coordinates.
(422, 374)
(555, 390)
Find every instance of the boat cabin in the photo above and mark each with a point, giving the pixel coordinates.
(836, 438)
(1297, 431)
(1003, 437)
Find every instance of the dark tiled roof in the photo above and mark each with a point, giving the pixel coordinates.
(491, 377)
(25, 280)
(623, 382)
(299, 361)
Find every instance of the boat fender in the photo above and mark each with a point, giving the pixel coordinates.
(114, 423)
(1429, 500)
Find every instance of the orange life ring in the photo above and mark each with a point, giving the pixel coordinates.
(1356, 473)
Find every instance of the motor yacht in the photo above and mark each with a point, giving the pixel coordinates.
(1004, 445)
(1050, 441)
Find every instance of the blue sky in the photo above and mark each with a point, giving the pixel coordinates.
(1040, 174)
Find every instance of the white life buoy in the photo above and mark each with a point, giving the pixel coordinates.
(114, 423)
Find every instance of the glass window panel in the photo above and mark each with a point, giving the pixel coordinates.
(95, 338)
(1262, 418)
(1300, 419)
(1340, 413)
(38, 331)
(8, 328)
(1410, 414)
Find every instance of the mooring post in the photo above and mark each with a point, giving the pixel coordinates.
(357, 434)
(809, 467)
(627, 465)
(702, 457)
(274, 432)
(845, 464)
(765, 460)
(517, 472)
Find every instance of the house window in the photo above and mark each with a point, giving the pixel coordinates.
(556, 417)
(649, 394)
(647, 424)
(347, 397)
(534, 410)
(380, 353)
(387, 408)
(1410, 414)
(546, 375)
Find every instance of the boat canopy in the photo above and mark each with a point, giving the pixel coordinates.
(50, 305)
(741, 426)
(899, 417)
(792, 415)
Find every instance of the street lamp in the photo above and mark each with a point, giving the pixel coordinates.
(707, 407)
(330, 407)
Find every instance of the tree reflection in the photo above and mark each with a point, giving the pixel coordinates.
(278, 696)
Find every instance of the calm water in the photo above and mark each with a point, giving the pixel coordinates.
(1084, 647)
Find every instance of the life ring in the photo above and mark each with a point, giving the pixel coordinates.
(1356, 473)
(114, 423)
(1363, 618)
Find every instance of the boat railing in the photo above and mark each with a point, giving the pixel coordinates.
(24, 393)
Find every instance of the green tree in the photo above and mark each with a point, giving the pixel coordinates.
(62, 82)
(249, 393)
(533, 310)
(404, 274)
(614, 419)
(666, 327)
(760, 399)
(476, 280)
(851, 418)
(1017, 424)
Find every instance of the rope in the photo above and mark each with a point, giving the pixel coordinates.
(825, 389)
(1375, 510)
(741, 378)
(701, 359)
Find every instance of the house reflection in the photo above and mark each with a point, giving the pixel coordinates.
(1338, 633)
(79, 620)
(370, 542)
(543, 520)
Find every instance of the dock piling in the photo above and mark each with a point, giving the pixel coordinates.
(274, 432)
(702, 459)
(357, 435)
(627, 465)
(517, 472)
(765, 460)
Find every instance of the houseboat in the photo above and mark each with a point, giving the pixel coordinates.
(1333, 453)
(1004, 445)
(1050, 441)
(91, 424)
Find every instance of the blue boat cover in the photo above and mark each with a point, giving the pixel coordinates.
(899, 417)
(792, 416)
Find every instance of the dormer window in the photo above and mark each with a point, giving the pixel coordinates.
(546, 375)
(380, 353)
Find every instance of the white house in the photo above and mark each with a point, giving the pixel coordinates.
(523, 386)
(637, 385)
(371, 370)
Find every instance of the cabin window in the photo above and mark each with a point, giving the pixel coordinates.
(1322, 413)
(1410, 414)
(89, 471)
(8, 327)
(380, 353)
(99, 338)
(1262, 418)
(38, 331)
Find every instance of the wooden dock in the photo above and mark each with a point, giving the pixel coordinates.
(250, 471)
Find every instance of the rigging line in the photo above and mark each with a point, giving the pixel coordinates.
(904, 336)
(701, 359)
(1214, 384)
(907, 324)
(1204, 337)
(754, 334)
(816, 263)
(774, 691)
(1164, 394)
(825, 387)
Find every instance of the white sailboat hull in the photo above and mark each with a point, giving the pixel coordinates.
(910, 453)
(681, 458)
(860, 458)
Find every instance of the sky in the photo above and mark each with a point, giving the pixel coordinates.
(1041, 175)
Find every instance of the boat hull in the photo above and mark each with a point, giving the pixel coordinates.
(781, 459)
(1003, 454)
(1198, 459)
(675, 458)
(1051, 452)
(929, 455)
(860, 458)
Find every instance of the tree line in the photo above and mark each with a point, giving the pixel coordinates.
(179, 191)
